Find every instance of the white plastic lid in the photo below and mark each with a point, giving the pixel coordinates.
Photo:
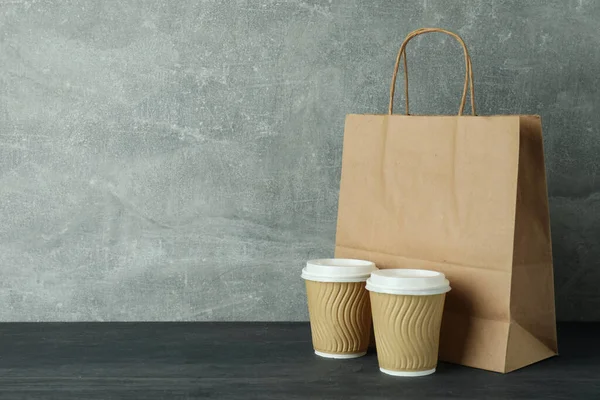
(417, 282)
(338, 270)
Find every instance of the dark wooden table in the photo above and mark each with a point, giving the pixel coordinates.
(256, 361)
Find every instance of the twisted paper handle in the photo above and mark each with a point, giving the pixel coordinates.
(468, 70)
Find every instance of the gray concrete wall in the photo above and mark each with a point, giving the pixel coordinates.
(179, 160)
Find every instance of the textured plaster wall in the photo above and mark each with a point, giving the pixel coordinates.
(179, 160)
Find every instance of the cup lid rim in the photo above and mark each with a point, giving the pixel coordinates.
(338, 270)
(408, 281)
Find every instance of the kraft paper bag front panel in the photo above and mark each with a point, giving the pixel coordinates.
(464, 195)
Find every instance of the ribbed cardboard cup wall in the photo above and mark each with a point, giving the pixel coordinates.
(340, 316)
(407, 330)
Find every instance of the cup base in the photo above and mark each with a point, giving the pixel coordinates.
(407, 373)
(340, 356)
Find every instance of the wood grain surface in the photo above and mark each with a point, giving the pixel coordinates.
(255, 361)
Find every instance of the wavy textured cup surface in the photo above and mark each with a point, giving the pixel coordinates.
(340, 316)
(407, 330)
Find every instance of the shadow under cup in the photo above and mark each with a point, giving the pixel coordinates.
(339, 306)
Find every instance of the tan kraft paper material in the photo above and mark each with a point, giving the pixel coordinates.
(466, 196)
(407, 330)
(340, 316)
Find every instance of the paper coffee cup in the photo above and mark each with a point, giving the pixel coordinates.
(407, 307)
(338, 306)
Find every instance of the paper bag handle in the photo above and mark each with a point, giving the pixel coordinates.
(468, 70)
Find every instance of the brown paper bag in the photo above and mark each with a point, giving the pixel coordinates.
(464, 195)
